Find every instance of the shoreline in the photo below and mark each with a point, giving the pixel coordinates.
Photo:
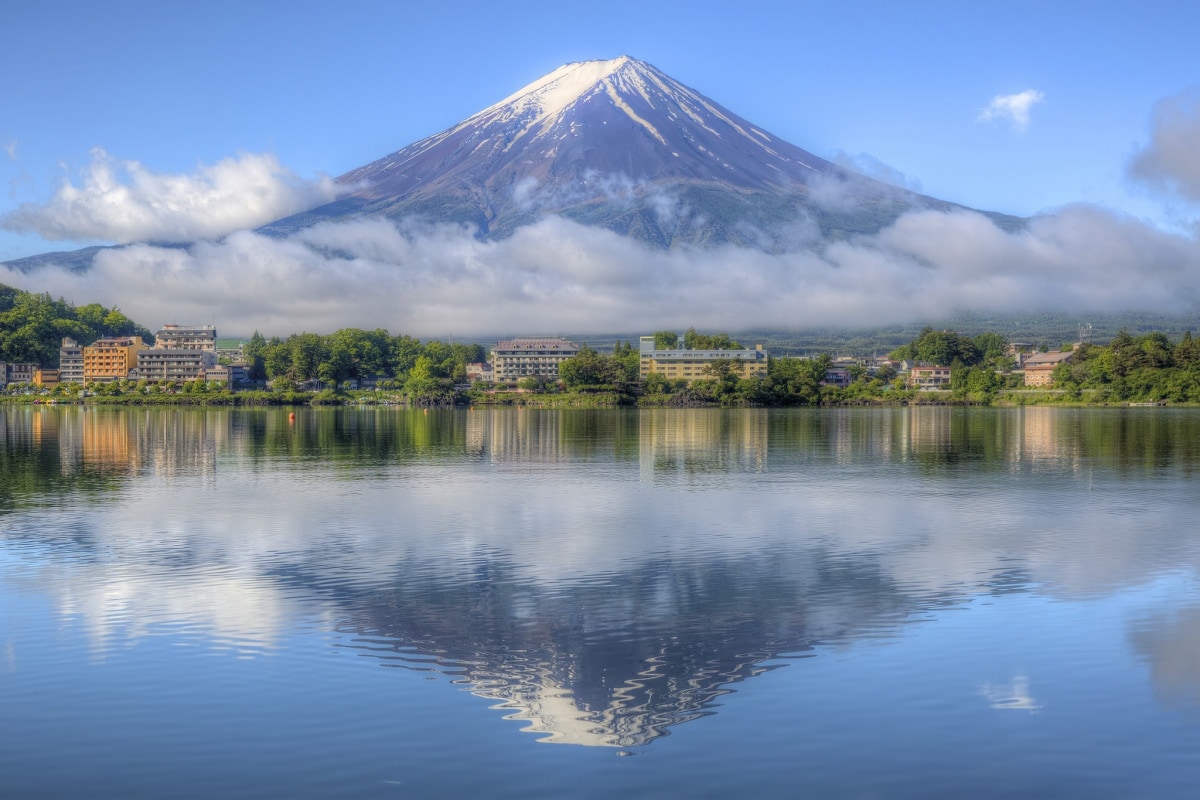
(610, 400)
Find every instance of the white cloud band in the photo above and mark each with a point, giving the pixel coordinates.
(122, 201)
(559, 276)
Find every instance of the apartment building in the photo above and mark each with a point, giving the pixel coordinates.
(174, 364)
(1039, 367)
(70, 361)
(110, 359)
(929, 376)
(17, 373)
(513, 359)
(186, 337)
(692, 365)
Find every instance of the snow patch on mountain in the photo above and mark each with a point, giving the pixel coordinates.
(621, 104)
(612, 143)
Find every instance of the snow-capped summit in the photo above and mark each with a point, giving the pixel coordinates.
(620, 118)
(616, 143)
(550, 94)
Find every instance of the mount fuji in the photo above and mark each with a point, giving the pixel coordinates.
(616, 144)
(622, 145)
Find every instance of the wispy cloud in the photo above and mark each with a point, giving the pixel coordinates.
(1170, 161)
(863, 176)
(10, 147)
(122, 201)
(557, 275)
(1013, 108)
(872, 167)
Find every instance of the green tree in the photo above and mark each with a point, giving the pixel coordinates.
(277, 360)
(254, 353)
(982, 384)
(655, 383)
(355, 353)
(404, 352)
(626, 360)
(532, 383)
(1187, 352)
(666, 340)
(92, 315)
(308, 350)
(945, 347)
(991, 348)
(468, 353)
(442, 355)
(326, 373)
(421, 381)
(797, 381)
(587, 368)
(725, 372)
(700, 341)
(117, 324)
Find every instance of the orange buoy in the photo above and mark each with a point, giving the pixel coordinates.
(292, 417)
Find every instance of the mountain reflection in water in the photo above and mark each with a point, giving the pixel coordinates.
(601, 575)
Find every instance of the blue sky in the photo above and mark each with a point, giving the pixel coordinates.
(322, 88)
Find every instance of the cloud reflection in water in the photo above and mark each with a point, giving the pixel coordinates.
(602, 576)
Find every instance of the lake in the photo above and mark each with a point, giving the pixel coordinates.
(518, 603)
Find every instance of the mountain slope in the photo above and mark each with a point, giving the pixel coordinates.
(622, 145)
(616, 144)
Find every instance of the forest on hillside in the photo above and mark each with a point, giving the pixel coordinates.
(32, 326)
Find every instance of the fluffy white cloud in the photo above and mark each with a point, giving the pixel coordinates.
(122, 201)
(1170, 161)
(561, 277)
(1012, 107)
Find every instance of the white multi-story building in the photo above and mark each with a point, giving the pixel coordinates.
(70, 361)
(186, 337)
(174, 364)
(513, 359)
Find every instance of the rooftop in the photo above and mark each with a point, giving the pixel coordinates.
(536, 343)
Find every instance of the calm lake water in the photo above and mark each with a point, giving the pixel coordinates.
(891, 603)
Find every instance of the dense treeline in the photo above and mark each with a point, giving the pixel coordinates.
(590, 370)
(693, 340)
(789, 381)
(1144, 368)
(32, 326)
(1147, 368)
(950, 348)
(352, 354)
(1131, 368)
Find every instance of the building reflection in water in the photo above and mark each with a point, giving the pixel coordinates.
(123, 442)
(692, 442)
